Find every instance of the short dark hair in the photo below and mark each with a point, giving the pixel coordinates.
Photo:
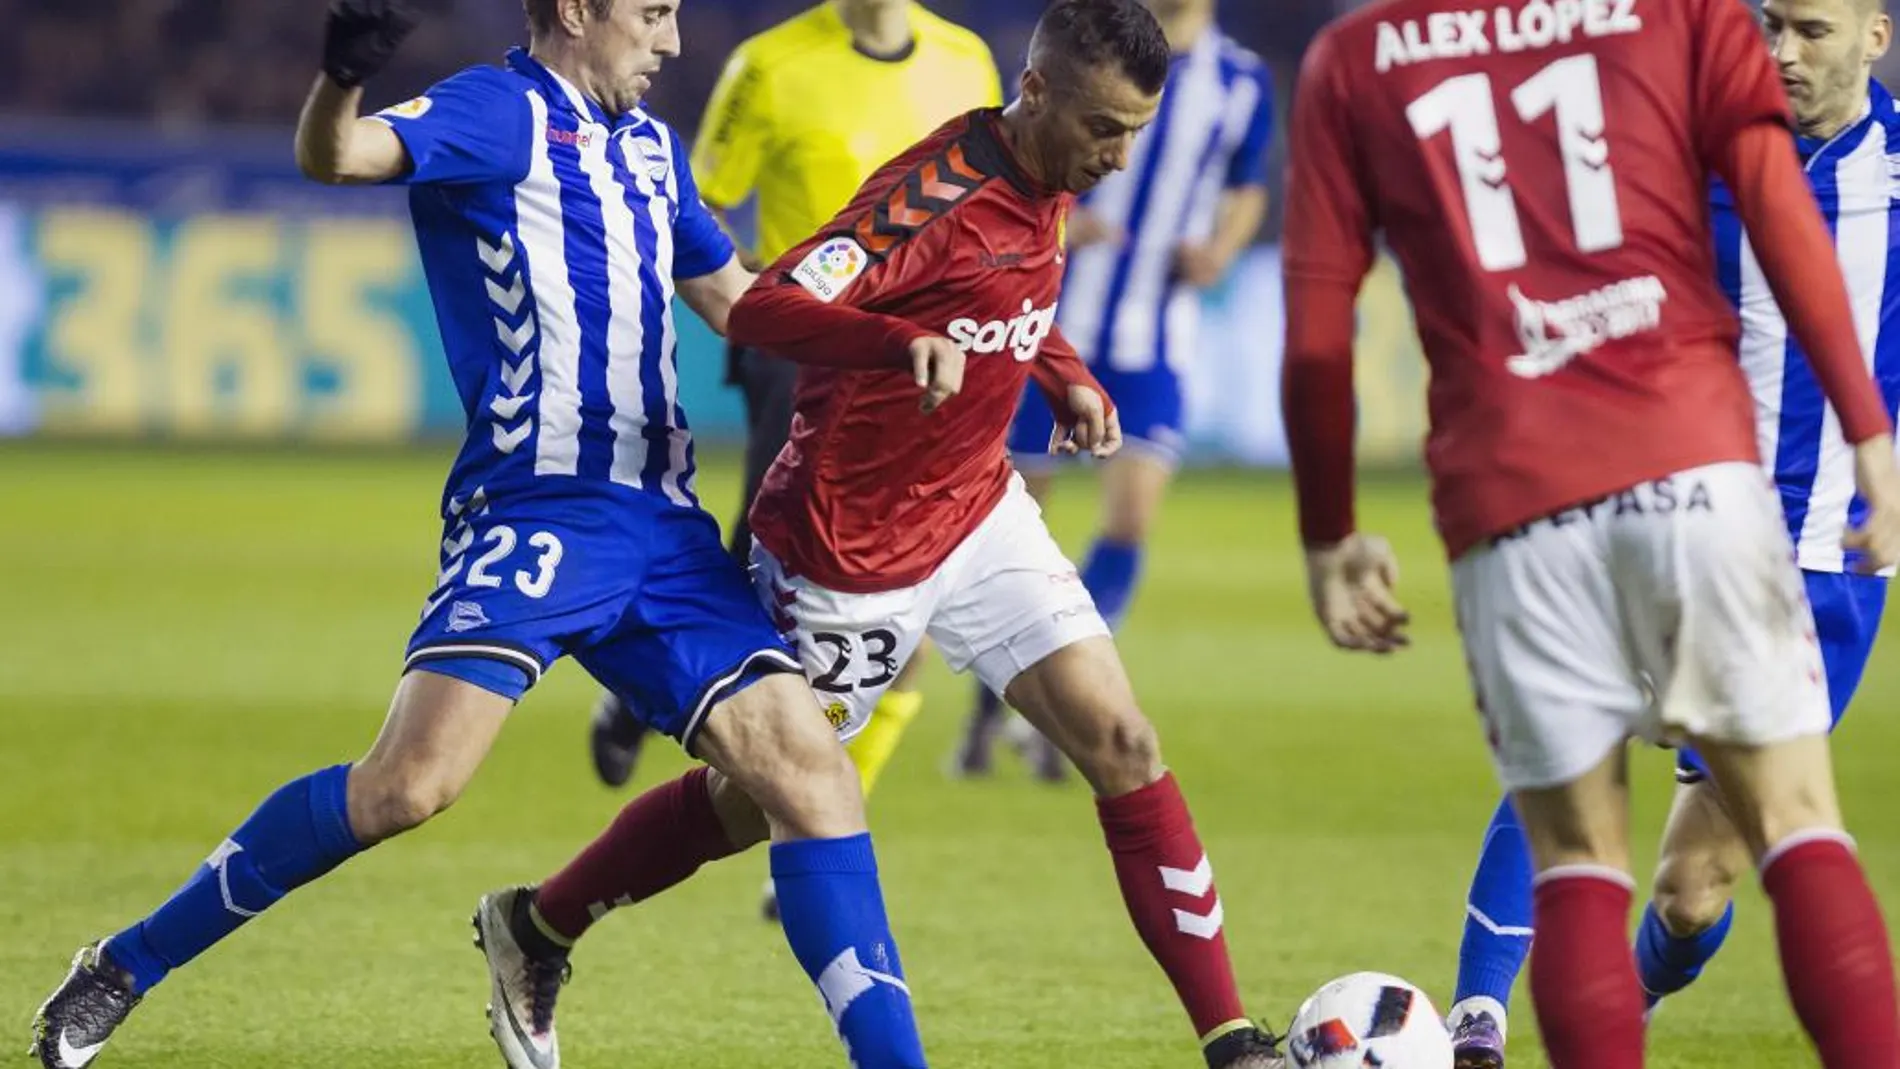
(1096, 33)
(544, 15)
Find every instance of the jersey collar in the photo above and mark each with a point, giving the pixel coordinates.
(834, 23)
(563, 95)
(1879, 106)
(993, 155)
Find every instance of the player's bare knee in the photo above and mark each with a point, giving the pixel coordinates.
(776, 746)
(1692, 893)
(1689, 910)
(1124, 756)
(386, 801)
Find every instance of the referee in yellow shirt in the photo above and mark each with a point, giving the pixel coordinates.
(803, 113)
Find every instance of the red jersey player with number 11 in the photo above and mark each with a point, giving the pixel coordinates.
(1620, 563)
(919, 314)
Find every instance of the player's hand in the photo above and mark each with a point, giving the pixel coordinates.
(1878, 478)
(1097, 428)
(1087, 228)
(361, 35)
(938, 365)
(1353, 585)
(1197, 264)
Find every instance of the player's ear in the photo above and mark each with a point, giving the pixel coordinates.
(1880, 36)
(572, 16)
(1035, 91)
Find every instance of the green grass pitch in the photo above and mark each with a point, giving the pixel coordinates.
(182, 631)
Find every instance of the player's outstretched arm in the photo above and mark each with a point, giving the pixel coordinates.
(781, 317)
(334, 144)
(712, 296)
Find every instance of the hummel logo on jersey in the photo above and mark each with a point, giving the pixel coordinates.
(466, 616)
(1022, 335)
(1197, 882)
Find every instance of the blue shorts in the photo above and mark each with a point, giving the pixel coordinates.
(638, 591)
(1847, 610)
(1148, 401)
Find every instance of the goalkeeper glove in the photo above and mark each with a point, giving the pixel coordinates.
(361, 35)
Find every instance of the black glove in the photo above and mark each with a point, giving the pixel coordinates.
(361, 35)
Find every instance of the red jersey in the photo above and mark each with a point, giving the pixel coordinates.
(951, 239)
(1540, 172)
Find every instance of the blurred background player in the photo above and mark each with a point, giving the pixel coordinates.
(802, 114)
(879, 523)
(1143, 246)
(546, 203)
(1619, 564)
(1848, 125)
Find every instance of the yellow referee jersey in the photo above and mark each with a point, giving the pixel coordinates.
(802, 117)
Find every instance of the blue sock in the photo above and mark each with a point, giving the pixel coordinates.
(1109, 573)
(1498, 913)
(833, 912)
(298, 834)
(1669, 963)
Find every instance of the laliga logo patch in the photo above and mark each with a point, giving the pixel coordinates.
(409, 109)
(828, 269)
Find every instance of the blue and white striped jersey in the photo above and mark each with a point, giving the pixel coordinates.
(1855, 176)
(551, 234)
(1123, 306)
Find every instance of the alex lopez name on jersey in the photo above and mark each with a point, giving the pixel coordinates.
(1482, 31)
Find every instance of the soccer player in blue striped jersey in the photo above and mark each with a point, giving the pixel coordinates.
(557, 220)
(1143, 245)
(1849, 129)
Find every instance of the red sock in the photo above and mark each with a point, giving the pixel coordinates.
(1169, 888)
(658, 840)
(1834, 951)
(1583, 976)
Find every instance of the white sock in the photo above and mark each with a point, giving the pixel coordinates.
(1479, 1004)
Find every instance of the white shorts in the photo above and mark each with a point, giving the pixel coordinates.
(1670, 611)
(1003, 600)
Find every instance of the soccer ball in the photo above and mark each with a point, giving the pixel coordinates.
(1369, 1020)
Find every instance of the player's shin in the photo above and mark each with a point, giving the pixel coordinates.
(299, 833)
(1834, 950)
(1168, 884)
(1498, 914)
(776, 744)
(1583, 981)
(832, 908)
(1110, 573)
(659, 840)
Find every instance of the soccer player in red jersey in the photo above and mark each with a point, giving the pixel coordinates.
(1620, 563)
(919, 314)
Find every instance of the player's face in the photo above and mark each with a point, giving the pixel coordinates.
(1825, 49)
(625, 48)
(1089, 125)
